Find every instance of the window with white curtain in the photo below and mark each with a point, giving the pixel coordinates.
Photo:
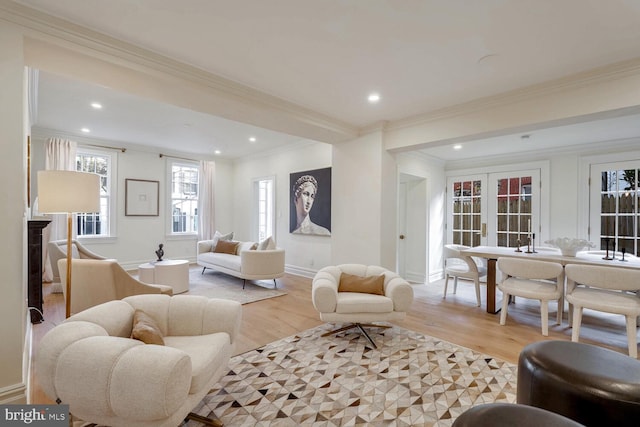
(183, 196)
(103, 163)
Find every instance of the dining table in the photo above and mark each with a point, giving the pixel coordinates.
(492, 253)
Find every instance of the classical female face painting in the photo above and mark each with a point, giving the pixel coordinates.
(310, 206)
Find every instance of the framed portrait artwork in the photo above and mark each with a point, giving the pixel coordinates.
(141, 197)
(310, 202)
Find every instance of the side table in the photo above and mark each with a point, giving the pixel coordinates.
(170, 272)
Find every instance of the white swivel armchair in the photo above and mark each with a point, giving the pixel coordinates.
(96, 281)
(459, 265)
(359, 309)
(91, 363)
(604, 289)
(532, 279)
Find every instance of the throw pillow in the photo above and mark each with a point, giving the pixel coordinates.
(226, 247)
(146, 329)
(245, 246)
(267, 244)
(219, 236)
(366, 285)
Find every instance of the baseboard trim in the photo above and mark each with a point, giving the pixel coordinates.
(14, 394)
(414, 277)
(300, 271)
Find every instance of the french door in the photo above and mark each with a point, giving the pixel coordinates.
(495, 209)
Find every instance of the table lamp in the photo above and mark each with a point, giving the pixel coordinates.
(68, 192)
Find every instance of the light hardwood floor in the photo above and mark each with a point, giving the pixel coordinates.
(455, 319)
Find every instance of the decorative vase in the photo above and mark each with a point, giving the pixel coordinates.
(569, 246)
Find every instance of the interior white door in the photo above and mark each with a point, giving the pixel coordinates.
(412, 228)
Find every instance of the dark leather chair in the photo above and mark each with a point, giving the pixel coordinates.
(589, 384)
(510, 415)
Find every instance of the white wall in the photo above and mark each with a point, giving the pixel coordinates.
(137, 238)
(13, 215)
(303, 254)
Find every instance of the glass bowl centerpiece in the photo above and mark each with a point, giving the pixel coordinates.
(569, 246)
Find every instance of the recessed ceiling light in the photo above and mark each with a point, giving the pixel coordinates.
(457, 147)
(217, 152)
(85, 130)
(96, 105)
(373, 98)
(252, 139)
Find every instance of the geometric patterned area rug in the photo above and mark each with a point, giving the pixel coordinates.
(340, 380)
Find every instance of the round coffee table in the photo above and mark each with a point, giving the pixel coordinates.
(170, 272)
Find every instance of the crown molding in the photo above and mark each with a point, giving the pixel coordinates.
(78, 38)
(587, 149)
(597, 75)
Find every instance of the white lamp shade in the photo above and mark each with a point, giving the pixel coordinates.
(68, 192)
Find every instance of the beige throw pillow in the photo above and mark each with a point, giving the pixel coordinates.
(267, 244)
(366, 285)
(146, 329)
(226, 247)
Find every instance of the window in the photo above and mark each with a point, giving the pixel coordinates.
(619, 216)
(103, 163)
(264, 216)
(184, 197)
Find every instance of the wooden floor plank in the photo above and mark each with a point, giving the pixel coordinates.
(455, 319)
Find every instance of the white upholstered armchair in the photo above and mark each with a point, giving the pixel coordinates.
(90, 362)
(360, 308)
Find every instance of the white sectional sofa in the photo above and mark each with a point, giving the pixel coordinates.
(249, 262)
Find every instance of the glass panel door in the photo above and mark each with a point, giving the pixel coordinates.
(513, 208)
(467, 221)
(615, 216)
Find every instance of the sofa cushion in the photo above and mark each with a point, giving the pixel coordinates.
(207, 353)
(226, 247)
(232, 262)
(363, 284)
(146, 329)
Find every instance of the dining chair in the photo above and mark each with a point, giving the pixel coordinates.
(458, 265)
(603, 288)
(534, 279)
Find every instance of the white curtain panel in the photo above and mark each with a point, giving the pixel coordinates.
(206, 202)
(60, 154)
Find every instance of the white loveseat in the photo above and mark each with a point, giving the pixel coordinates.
(90, 362)
(245, 263)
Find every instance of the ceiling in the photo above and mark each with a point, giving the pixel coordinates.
(327, 56)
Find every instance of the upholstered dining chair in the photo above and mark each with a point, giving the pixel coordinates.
(532, 279)
(96, 281)
(359, 295)
(459, 265)
(607, 289)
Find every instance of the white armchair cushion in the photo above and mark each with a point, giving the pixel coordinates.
(357, 302)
